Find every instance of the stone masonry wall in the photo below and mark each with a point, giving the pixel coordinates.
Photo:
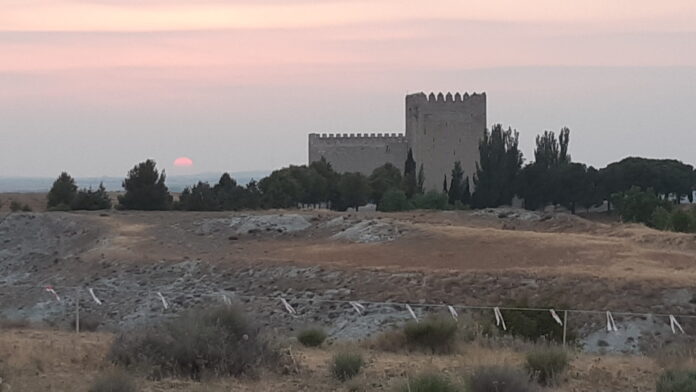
(443, 129)
(358, 152)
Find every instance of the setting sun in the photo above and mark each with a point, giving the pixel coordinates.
(183, 162)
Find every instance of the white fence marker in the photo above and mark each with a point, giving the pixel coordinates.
(289, 308)
(226, 299)
(453, 312)
(94, 296)
(611, 325)
(555, 317)
(164, 301)
(413, 314)
(674, 323)
(357, 306)
(52, 291)
(499, 321)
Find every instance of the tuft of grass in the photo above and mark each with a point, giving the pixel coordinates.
(436, 334)
(114, 380)
(311, 337)
(547, 363)
(677, 381)
(346, 365)
(429, 382)
(499, 379)
(217, 341)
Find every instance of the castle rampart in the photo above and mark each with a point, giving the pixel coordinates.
(358, 152)
(440, 129)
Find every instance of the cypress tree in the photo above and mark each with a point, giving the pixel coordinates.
(410, 184)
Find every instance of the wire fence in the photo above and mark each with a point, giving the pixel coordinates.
(98, 295)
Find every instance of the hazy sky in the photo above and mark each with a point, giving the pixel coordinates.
(94, 87)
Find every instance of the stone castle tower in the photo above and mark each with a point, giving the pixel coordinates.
(440, 130)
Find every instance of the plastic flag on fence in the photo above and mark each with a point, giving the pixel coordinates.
(555, 317)
(94, 296)
(164, 301)
(453, 312)
(52, 291)
(357, 306)
(499, 321)
(674, 324)
(413, 314)
(289, 308)
(611, 325)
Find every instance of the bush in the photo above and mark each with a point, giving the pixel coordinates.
(436, 334)
(661, 219)
(429, 382)
(547, 363)
(499, 379)
(15, 206)
(87, 199)
(535, 325)
(114, 381)
(636, 205)
(218, 341)
(88, 323)
(311, 337)
(346, 365)
(394, 200)
(432, 200)
(682, 221)
(676, 381)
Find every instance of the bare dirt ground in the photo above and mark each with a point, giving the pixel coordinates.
(491, 257)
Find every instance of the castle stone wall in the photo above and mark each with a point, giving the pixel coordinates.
(442, 129)
(358, 152)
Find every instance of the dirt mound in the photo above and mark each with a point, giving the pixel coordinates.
(251, 224)
(368, 231)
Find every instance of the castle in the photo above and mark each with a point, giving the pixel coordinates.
(440, 130)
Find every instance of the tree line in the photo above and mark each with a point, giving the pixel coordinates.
(552, 178)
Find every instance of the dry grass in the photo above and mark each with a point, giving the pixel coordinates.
(53, 360)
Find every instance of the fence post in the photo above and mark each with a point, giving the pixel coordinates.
(565, 326)
(77, 310)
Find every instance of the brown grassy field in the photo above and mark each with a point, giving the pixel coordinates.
(39, 360)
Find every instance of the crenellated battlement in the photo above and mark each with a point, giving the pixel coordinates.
(446, 98)
(355, 137)
(441, 128)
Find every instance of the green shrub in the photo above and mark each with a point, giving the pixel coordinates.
(677, 381)
(499, 379)
(545, 364)
(218, 341)
(346, 365)
(682, 221)
(661, 219)
(87, 199)
(436, 334)
(535, 325)
(429, 382)
(311, 337)
(636, 205)
(114, 381)
(394, 200)
(431, 200)
(15, 206)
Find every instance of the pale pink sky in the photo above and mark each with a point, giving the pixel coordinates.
(237, 85)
